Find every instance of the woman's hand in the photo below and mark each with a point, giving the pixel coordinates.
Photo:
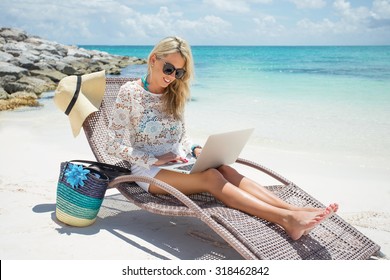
(169, 157)
(197, 151)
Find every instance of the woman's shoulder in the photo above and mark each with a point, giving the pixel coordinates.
(130, 88)
(132, 85)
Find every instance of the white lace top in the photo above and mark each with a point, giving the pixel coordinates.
(139, 128)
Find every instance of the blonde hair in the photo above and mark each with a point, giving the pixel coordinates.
(178, 92)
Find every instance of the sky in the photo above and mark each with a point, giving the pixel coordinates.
(202, 22)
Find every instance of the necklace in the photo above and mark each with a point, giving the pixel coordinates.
(144, 80)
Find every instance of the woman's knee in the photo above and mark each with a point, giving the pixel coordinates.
(227, 171)
(213, 177)
(224, 169)
(231, 174)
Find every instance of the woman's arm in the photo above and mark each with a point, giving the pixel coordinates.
(187, 144)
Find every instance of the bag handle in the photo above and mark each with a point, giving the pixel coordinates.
(103, 165)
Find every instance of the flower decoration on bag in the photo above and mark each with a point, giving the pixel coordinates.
(76, 175)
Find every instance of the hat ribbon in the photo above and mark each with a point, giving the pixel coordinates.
(75, 96)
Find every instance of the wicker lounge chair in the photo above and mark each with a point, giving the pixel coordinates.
(250, 236)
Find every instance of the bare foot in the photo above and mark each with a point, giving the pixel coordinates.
(335, 207)
(301, 222)
(332, 208)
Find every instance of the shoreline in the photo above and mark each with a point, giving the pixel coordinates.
(29, 173)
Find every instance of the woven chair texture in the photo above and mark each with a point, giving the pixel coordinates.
(250, 236)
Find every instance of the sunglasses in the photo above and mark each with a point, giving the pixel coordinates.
(168, 69)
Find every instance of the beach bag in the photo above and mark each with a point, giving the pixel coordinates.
(81, 190)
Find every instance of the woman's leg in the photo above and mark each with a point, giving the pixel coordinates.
(260, 191)
(295, 223)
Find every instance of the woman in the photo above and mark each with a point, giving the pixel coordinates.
(151, 109)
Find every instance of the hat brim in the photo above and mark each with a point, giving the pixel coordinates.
(88, 100)
(77, 116)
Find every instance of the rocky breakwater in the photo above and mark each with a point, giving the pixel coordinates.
(30, 65)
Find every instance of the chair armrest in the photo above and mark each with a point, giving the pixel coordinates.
(166, 187)
(264, 169)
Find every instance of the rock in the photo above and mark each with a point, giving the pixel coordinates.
(24, 62)
(2, 42)
(32, 64)
(10, 69)
(3, 94)
(138, 61)
(43, 65)
(53, 75)
(16, 102)
(31, 56)
(66, 68)
(15, 87)
(38, 85)
(16, 48)
(113, 71)
(6, 57)
(48, 48)
(7, 79)
(23, 94)
(13, 34)
(73, 51)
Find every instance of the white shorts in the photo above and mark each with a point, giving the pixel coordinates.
(141, 171)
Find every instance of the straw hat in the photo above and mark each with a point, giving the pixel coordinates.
(79, 96)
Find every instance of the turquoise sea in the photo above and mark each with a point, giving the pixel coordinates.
(332, 100)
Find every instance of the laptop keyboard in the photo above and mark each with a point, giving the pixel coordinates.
(185, 167)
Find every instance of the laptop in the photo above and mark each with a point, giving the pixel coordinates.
(220, 149)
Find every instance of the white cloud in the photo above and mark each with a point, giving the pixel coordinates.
(242, 6)
(70, 21)
(380, 14)
(149, 25)
(201, 22)
(166, 23)
(268, 25)
(381, 9)
(350, 19)
(363, 18)
(261, 1)
(208, 25)
(342, 5)
(309, 4)
(349, 14)
(112, 21)
(228, 5)
(321, 27)
(109, 21)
